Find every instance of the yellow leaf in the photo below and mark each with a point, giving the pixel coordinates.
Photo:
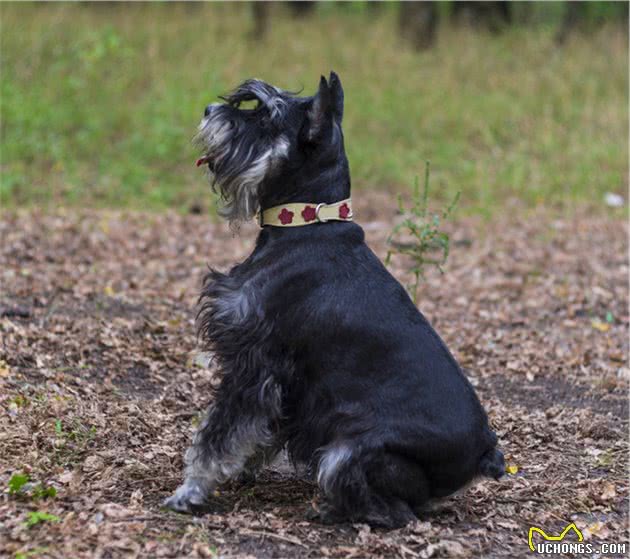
(511, 469)
(601, 326)
(109, 291)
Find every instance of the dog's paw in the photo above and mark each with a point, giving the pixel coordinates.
(189, 498)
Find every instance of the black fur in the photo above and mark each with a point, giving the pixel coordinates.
(322, 351)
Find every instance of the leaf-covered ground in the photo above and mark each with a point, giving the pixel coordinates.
(101, 386)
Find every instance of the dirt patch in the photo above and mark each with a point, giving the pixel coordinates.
(544, 393)
(101, 388)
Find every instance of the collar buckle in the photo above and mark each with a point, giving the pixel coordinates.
(317, 216)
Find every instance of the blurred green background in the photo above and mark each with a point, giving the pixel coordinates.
(99, 102)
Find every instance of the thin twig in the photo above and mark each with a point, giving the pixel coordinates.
(409, 551)
(287, 539)
(50, 309)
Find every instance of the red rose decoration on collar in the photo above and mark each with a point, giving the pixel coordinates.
(285, 216)
(309, 213)
(344, 211)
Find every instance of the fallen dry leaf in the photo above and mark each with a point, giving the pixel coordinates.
(601, 326)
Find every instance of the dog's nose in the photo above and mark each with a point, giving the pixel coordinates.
(207, 110)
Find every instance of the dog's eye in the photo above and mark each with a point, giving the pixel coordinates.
(249, 105)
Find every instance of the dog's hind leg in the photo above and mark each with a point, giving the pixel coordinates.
(375, 487)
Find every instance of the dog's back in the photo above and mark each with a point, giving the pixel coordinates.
(372, 381)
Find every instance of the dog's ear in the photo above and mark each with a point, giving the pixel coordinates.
(319, 115)
(336, 92)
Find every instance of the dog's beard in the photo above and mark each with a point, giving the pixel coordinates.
(237, 164)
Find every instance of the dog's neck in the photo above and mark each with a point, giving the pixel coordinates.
(269, 237)
(324, 185)
(327, 185)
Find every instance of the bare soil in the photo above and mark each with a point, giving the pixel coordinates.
(101, 387)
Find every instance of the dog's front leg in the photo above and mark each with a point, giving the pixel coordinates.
(230, 436)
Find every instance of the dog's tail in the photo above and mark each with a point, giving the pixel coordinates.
(492, 464)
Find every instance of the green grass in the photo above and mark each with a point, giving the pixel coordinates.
(99, 103)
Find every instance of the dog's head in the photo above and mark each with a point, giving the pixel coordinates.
(261, 136)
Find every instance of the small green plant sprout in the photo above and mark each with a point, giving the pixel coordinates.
(30, 553)
(38, 517)
(17, 482)
(20, 485)
(418, 235)
(41, 491)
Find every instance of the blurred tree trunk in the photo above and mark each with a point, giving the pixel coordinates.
(417, 22)
(577, 18)
(103, 4)
(374, 6)
(261, 9)
(301, 8)
(574, 18)
(260, 12)
(493, 15)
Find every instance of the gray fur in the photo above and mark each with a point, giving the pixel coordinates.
(239, 164)
(332, 459)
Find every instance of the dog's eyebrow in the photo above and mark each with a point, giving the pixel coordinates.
(253, 89)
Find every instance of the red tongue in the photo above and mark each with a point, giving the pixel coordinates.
(201, 161)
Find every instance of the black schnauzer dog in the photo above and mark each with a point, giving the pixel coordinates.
(321, 351)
